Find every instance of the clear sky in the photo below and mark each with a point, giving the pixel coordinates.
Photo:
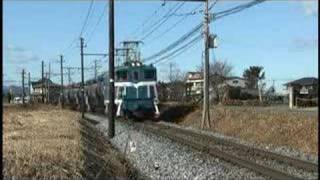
(281, 36)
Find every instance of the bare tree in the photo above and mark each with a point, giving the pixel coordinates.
(176, 84)
(219, 70)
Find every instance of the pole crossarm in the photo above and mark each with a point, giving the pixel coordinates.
(95, 54)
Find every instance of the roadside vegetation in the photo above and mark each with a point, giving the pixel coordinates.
(267, 125)
(48, 141)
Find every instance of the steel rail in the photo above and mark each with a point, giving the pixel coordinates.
(310, 166)
(174, 136)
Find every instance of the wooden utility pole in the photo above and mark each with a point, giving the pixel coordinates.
(206, 110)
(61, 88)
(23, 86)
(42, 83)
(111, 110)
(82, 77)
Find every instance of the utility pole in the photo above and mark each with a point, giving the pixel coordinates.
(69, 75)
(170, 73)
(95, 69)
(61, 68)
(82, 78)
(29, 85)
(206, 111)
(49, 83)
(42, 83)
(46, 95)
(111, 70)
(23, 86)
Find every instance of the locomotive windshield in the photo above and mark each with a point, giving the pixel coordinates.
(143, 92)
(121, 75)
(131, 93)
(149, 74)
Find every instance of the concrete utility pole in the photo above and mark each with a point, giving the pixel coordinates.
(23, 86)
(49, 83)
(46, 77)
(206, 111)
(42, 83)
(69, 75)
(111, 70)
(61, 88)
(82, 77)
(170, 71)
(95, 69)
(29, 85)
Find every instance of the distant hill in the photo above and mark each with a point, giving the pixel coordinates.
(17, 90)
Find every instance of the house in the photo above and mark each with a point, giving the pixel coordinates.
(194, 85)
(235, 81)
(304, 89)
(50, 89)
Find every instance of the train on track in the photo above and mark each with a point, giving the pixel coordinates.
(135, 89)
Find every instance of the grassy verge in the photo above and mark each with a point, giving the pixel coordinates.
(296, 129)
(48, 141)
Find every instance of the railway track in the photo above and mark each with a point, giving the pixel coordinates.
(273, 165)
(266, 163)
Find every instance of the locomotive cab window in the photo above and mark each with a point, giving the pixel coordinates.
(121, 75)
(152, 94)
(149, 74)
(135, 75)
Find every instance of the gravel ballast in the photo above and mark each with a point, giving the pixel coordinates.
(160, 158)
(284, 150)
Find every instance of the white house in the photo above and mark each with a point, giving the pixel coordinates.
(235, 81)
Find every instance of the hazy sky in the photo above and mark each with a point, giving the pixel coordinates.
(281, 36)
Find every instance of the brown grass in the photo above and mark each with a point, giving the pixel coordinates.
(296, 129)
(48, 141)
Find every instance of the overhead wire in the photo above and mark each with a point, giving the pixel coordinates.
(162, 21)
(87, 18)
(175, 24)
(147, 20)
(70, 46)
(97, 24)
(197, 28)
(185, 48)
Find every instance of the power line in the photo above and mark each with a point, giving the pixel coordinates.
(178, 22)
(82, 29)
(147, 20)
(199, 26)
(181, 49)
(86, 19)
(98, 22)
(159, 20)
(162, 20)
(185, 49)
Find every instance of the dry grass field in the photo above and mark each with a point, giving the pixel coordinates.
(268, 125)
(47, 141)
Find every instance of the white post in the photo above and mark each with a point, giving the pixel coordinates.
(290, 88)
